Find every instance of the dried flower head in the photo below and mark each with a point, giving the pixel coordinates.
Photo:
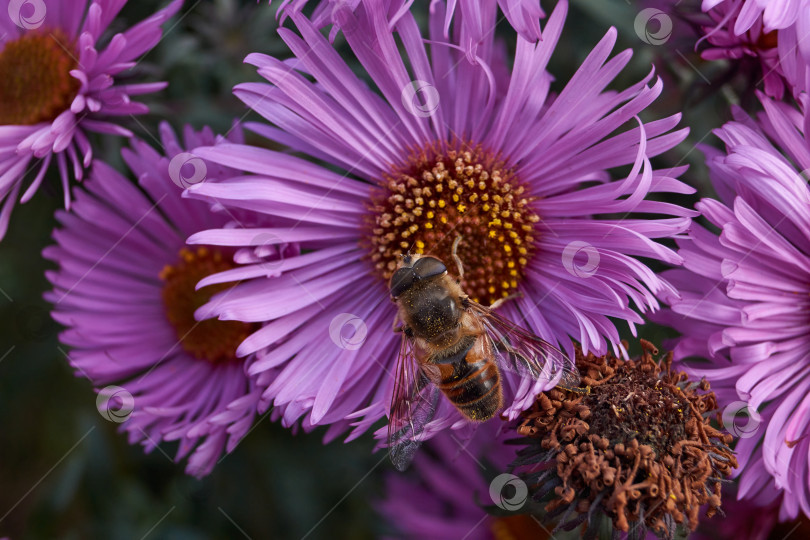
(636, 445)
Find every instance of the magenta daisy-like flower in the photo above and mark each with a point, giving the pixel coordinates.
(58, 85)
(745, 295)
(125, 291)
(429, 148)
(450, 486)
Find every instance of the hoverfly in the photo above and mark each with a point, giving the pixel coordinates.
(454, 346)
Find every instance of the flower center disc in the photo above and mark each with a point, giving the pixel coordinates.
(441, 195)
(36, 84)
(518, 527)
(211, 339)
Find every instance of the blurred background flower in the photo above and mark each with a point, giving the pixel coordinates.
(126, 293)
(774, 15)
(734, 32)
(746, 519)
(448, 494)
(61, 65)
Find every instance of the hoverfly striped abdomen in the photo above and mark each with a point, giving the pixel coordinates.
(470, 378)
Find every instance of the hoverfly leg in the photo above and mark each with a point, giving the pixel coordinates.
(501, 301)
(398, 326)
(403, 329)
(457, 259)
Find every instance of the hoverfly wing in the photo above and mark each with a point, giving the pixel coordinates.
(413, 406)
(525, 353)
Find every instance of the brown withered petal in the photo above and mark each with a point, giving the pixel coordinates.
(635, 444)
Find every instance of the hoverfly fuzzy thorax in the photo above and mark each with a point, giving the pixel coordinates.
(427, 301)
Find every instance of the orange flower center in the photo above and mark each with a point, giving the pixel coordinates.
(36, 85)
(440, 195)
(518, 527)
(211, 339)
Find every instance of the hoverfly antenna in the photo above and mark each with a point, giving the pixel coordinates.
(408, 257)
(457, 259)
(456, 242)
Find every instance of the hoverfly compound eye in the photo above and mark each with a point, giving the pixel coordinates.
(402, 280)
(428, 267)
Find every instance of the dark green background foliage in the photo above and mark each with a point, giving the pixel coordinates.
(66, 473)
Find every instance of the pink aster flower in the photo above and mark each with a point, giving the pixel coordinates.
(745, 297)
(59, 85)
(431, 148)
(450, 484)
(125, 291)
